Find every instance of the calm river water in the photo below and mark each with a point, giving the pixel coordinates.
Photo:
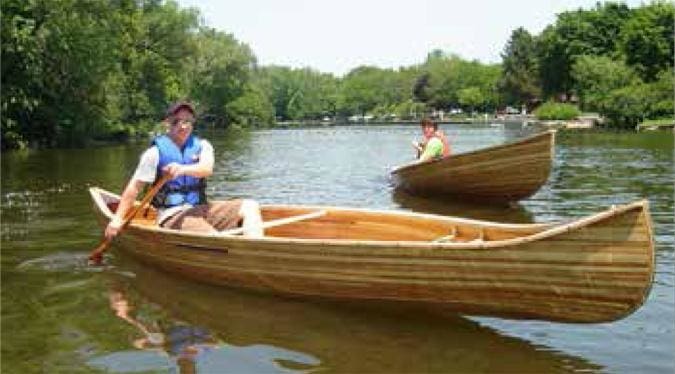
(58, 315)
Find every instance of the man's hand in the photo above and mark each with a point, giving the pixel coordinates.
(113, 228)
(174, 170)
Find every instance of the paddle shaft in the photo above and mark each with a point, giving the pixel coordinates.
(97, 253)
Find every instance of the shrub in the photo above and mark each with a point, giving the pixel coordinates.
(626, 107)
(561, 111)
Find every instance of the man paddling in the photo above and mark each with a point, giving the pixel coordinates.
(181, 202)
(435, 143)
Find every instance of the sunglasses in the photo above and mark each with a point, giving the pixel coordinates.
(182, 122)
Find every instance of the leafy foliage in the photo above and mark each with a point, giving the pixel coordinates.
(574, 34)
(597, 76)
(220, 71)
(557, 111)
(76, 70)
(604, 55)
(646, 40)
(625, 107)
(520, 71)
(661, 95)
(443, 79)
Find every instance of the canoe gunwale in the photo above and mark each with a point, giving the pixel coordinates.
(548, 230)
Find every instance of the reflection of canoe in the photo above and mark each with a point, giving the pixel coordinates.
(512, 212)
(502, 173)
(598, 268)
(345, 337)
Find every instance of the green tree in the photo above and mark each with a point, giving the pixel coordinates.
(21, 70)
(252, 108)
(577, 33)
(421, 87)
(471, 98)
(220, 73)
(301, 93)
(155, 43)
(363, 89)
(315, 97)
(646, 40)
(626, 106)
(661, 95)
(77, 69)
(520, 74)
(410, 109)
(449, 75)
(280, 86)
(55, 58)
(596, 77)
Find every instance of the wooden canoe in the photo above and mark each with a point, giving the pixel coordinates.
(595, 269)
(503, 173)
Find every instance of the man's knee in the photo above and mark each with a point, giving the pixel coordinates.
(249, 206)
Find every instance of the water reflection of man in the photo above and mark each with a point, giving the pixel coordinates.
(183, 342)
(186, 343)
(120, 305)
(184, 348)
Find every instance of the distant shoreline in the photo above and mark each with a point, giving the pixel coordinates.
(478, 120)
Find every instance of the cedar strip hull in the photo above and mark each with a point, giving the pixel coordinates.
(597, 269)
(503, 173)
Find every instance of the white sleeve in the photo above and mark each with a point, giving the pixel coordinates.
(146, 170)
(206, 157)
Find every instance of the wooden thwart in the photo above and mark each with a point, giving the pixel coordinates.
(453, 236)
(276, 222)
(447, 238)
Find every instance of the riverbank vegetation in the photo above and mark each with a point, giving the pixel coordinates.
(80, 70)
(556, 111)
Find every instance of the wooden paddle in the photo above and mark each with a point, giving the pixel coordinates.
(96, 255)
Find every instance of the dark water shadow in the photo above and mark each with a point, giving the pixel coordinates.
(343, 337)
(449, 206)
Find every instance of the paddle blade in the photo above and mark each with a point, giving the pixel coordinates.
(96, 256)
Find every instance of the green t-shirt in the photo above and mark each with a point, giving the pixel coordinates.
(433, 149)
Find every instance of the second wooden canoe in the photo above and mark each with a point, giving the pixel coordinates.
(594, 269)
(503, 173)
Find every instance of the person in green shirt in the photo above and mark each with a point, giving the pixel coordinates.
(434, 145)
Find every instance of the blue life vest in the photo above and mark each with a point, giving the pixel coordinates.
(184, 189)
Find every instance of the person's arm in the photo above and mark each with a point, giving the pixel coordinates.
(126, 201)
(446, 143)
(202, 169)
(145, 173)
